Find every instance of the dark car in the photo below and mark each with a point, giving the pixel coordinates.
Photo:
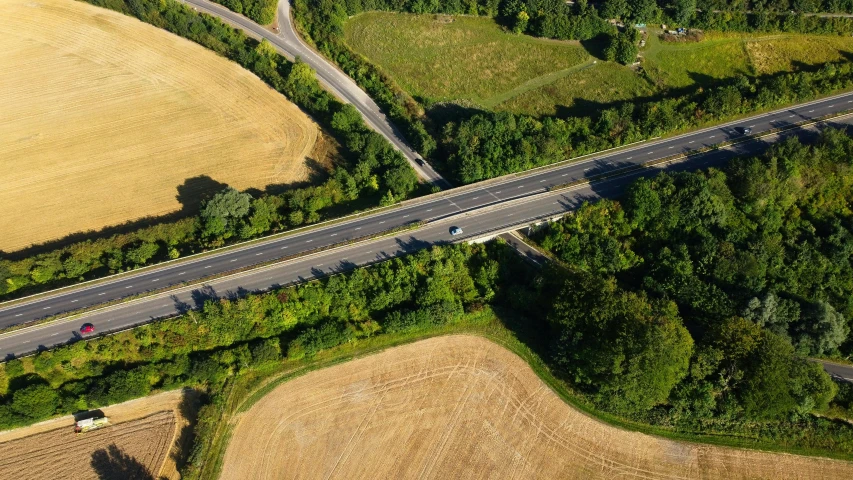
(87, 328)
(420, 161)
(745, 130)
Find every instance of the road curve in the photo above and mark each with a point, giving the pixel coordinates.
(289, 44)
(480, 209)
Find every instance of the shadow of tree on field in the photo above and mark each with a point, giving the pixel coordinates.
(113, 464)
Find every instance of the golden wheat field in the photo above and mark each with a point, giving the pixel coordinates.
(143, 432)
(102, 117)
(462, 407)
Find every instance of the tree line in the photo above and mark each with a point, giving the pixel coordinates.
(371, 171)
(492, 144)
(695, 300)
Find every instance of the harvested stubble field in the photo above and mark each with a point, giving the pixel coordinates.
(142, 432)
(104, 116)
(463, 407)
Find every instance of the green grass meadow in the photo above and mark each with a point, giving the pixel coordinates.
(473, 60)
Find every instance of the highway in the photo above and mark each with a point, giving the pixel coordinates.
(482, 209)
(289, 44)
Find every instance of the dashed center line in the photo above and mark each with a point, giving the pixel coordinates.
(74, 301)
(691, 141)
(383, 221)
(405, 216)
(812, 110)
(259, 253)
(284, 247)
(156, 280)
(358, 228)
(429, 210)
(129, 286)
(541, 181)
(18, 315)
(308, 241)
(102, 293)
(208, 266)
(332, 235)
(182, 273)
(476, 198)
(45, 308)
(565, 174)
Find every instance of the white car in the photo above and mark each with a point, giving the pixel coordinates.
(455, 231)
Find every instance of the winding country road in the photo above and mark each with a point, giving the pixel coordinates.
(483, 209)
(289, 44)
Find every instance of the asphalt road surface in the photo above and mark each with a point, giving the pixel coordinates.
(289, 44)
(838, 371)
(488, 208)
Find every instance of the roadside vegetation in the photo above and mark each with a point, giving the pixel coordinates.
(732, 78)
(372, 172)
(686, 309)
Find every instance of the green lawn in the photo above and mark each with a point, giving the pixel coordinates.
(440, 57)
(474, 60)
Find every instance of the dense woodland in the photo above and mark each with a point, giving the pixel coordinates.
(691, 305)
(704, 292)
(372, 172)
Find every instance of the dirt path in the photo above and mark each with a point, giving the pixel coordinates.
(463, 407)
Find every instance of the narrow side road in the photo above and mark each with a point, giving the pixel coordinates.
(289, 44)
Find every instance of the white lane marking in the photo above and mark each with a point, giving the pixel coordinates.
(429, 210)
(405, 216)
(259, 253)
(167, 305)
(712, 136)
(565, 174)
(74, 301)
(831, 106)
(671, 148)
(475, 198)
(498, 191)
(383, 221)
(691, 141)
(791, 116)
(358, 228)
(812, 110)
(156, 280)
(45, 308)
(332, 235)
(102, 293)
(54, 334)
(128, 286)
(521, 186)
(182, 273)
(541, 181)
(650, 153)
(18, 315)
(587, 169)
(308, 241)
(319, 264)
(282, 248)
(208, 266)
(630, 158)
(232, 261)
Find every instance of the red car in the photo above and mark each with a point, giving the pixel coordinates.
(87, 328)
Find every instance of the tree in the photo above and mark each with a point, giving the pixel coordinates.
(822, 330)
(766, 390)
(615, 9)
(622, 347)
(521, 20)
(683, 11)
(35, 402)
(224, 210)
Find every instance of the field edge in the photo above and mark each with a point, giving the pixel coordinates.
(486, 325)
